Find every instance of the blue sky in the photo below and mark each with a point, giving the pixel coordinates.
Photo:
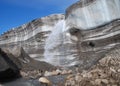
(14, 13)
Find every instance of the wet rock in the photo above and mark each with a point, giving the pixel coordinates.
(58, 71)
(33, 74)
(78, 78)
(58, 80)
(8, 70)
(23, 82)
(70, 71)
(105, 81)
(24, 74)
(86, 74)
(71, 82)
(47, 73)
(69, 77)
(118, 70)
(45, 81)
(98, 81)
(64, 72)
(114, 85)
(113, 70)
(53, 73)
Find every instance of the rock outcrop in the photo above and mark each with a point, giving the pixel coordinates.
(8, 70)
(25, 63)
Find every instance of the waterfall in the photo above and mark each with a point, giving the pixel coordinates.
(57, 46)
(60, 49)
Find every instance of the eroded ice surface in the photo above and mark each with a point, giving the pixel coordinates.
(61, 47)
(95, 14)
(58, 47)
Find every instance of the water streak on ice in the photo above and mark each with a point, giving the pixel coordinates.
(95, 14)
(56, 50)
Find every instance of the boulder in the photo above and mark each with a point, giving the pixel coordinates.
(45, 81)
(8, 70)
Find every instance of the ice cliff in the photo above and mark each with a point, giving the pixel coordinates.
(90, 29)
(31, 36)
(89, 14)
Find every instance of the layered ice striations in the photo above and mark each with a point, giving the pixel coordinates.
(76, 39)
(56, 51)
(94, 14)
(63, 48)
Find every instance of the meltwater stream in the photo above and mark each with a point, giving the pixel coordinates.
(59, 48)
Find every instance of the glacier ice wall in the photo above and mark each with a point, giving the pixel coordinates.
(58, 47)
(65, 49)
(70, 41)
(94, 14)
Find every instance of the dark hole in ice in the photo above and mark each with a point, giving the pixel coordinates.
(91, 44)
(74, 31)
(76, 65)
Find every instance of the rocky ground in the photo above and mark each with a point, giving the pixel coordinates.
(105, 73)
